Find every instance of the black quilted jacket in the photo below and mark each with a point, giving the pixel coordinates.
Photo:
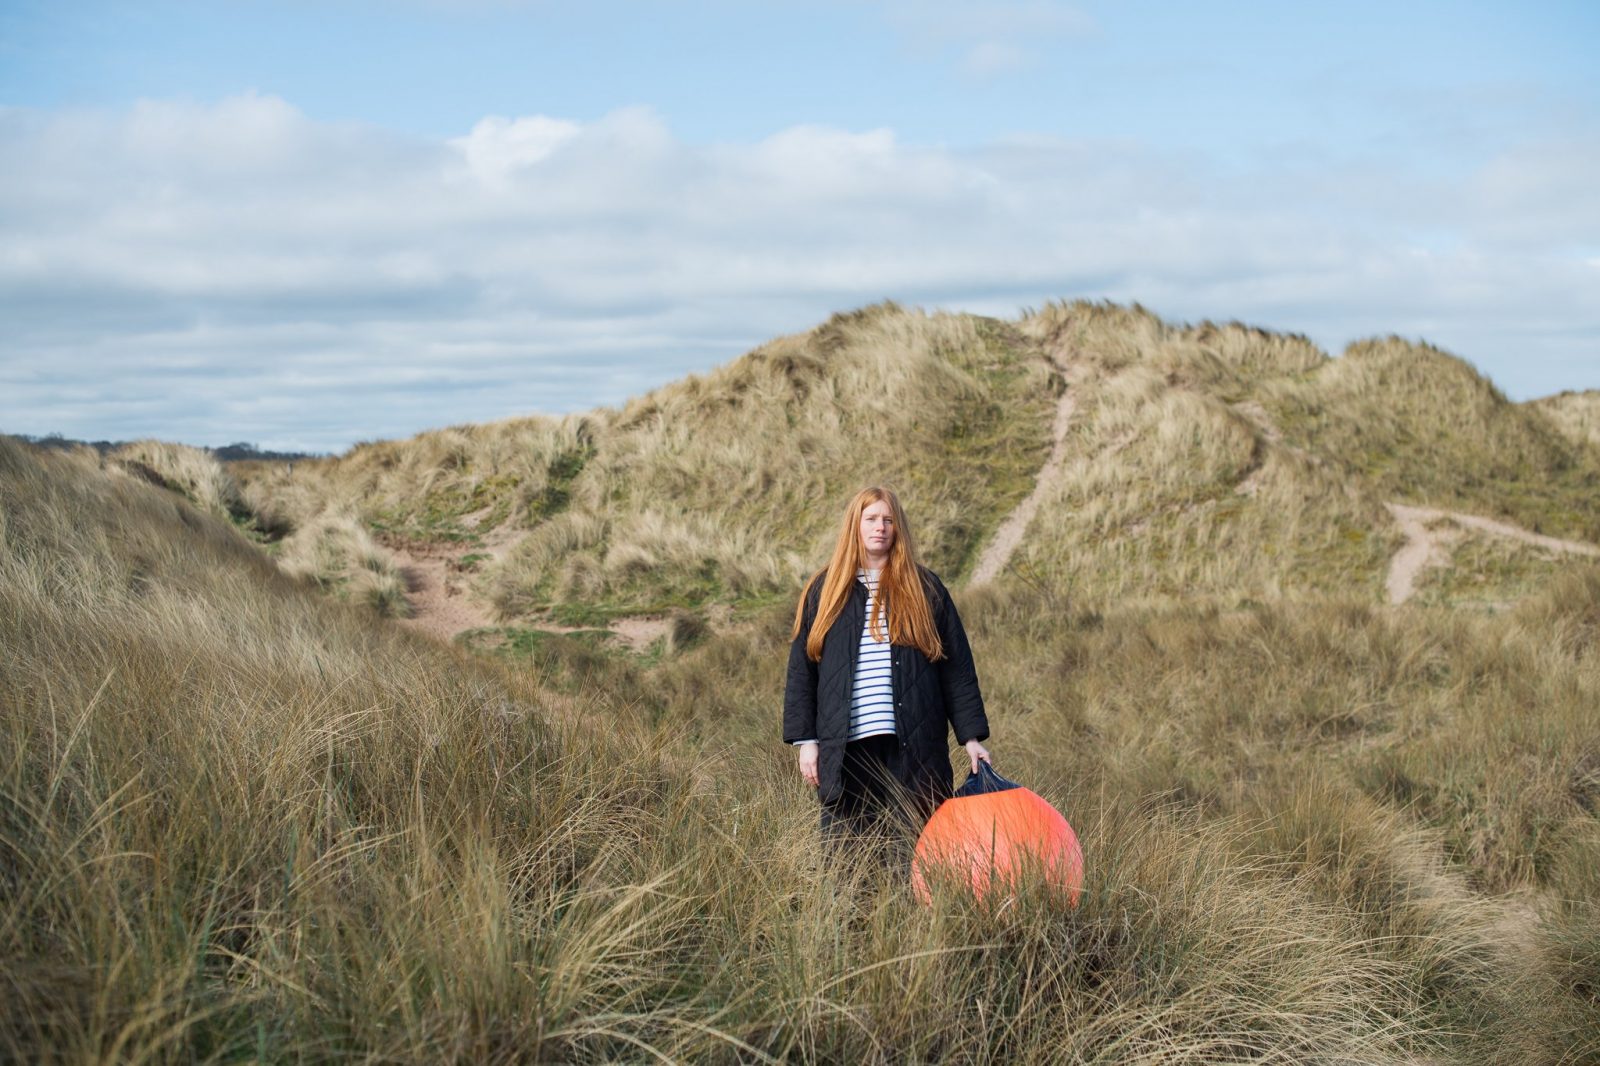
(929, 696)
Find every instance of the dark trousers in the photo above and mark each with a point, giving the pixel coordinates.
(874, 812)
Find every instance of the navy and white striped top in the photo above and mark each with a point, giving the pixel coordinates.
(872, 690)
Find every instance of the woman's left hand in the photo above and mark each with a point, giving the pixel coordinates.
(978, 751)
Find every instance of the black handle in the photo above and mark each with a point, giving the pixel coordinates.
(985, 781)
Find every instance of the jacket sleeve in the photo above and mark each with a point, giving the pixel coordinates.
(963, 702)
(800, 687)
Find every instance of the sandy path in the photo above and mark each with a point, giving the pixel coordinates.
(441, 597)
(997, 553)
(641, 631)
(444, 605)
(1425, 547)
(441, 606)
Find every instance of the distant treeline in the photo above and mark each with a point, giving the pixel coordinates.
(227, 453)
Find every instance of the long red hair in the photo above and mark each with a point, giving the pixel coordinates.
(900, 585)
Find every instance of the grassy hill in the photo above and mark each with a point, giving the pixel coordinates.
(1232, 463)
(1577, 414)
(1209, 460)
(241, 818)
(704, 490)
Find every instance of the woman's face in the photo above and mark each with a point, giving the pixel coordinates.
(877, 528)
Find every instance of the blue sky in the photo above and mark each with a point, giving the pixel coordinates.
(308, 224)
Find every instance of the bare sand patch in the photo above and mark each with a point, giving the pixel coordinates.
(1429, 536)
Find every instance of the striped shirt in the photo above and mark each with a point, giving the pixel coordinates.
(872, 690)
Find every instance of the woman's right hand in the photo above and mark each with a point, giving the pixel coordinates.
(808, 763)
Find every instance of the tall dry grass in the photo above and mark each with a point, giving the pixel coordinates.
(320, 533)
(239, 820)
(191, 472)
(1577, 414)
(1428, 776)
(335, 550)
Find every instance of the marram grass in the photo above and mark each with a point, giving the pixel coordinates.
(1206, 460)
(242, 822)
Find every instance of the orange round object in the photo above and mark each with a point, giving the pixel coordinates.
(992, 839)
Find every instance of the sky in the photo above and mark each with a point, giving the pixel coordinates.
(305, 225)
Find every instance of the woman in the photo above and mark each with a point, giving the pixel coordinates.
(879, 668)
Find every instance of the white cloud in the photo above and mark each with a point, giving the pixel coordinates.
(238, 270)
(497, 147)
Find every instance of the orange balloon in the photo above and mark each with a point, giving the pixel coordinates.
(990, 840)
